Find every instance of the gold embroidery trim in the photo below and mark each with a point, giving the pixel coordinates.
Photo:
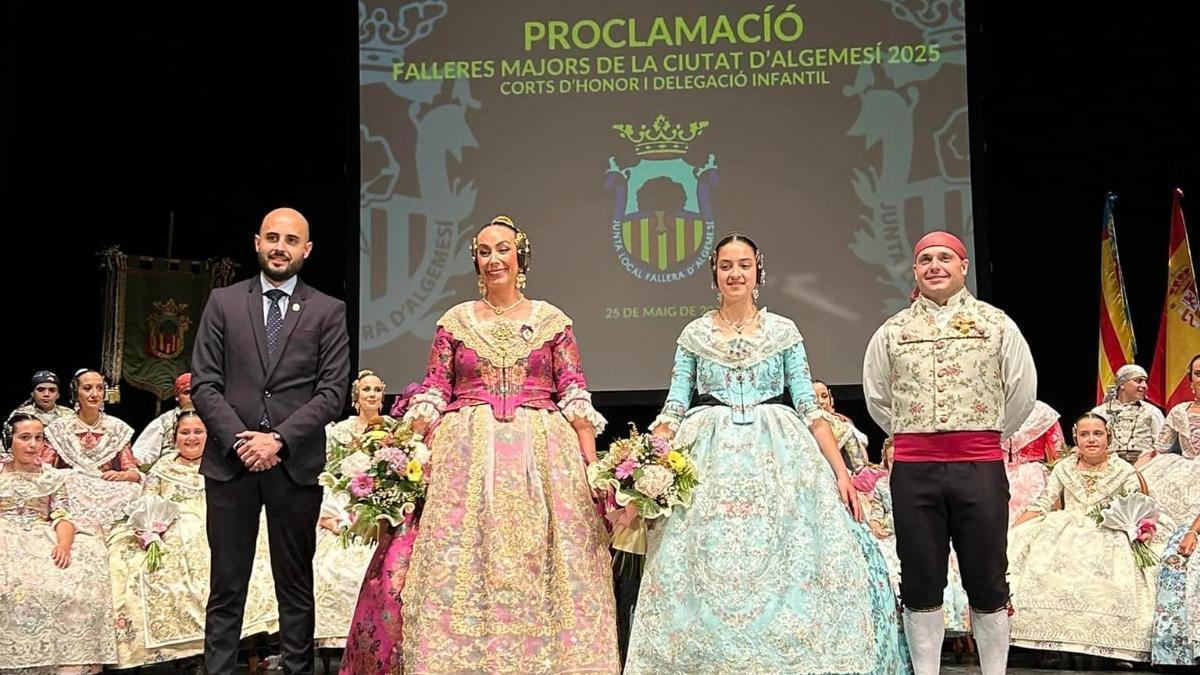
(466, 618)
(503, 342)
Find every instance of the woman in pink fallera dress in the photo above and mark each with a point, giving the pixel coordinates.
(509, 569)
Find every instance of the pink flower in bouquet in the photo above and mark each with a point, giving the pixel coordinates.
(362, 485)
(396, 460)
(661, 446)
(625, 469)
(1146, 529)
(147, 537)
(864, 481)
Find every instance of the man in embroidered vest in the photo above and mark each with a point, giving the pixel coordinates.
(946, 379)
(1135, 422)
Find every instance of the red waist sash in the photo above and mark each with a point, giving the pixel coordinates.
(948, 446)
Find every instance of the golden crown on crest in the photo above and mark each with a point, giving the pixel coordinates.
(661, 137)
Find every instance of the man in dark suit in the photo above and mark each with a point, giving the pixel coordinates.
(270, 369)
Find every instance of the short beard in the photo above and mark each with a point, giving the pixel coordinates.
(288, 272)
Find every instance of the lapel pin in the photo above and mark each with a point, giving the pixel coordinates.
(295, 307)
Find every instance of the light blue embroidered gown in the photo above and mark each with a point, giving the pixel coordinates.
(765, 572)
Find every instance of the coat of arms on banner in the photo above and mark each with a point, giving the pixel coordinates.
(662, 222)
(167, 328)
(152, 307)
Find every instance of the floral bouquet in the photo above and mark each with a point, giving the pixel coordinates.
(1136, 516)
(149, 518)
(379, 476)
(650, 476)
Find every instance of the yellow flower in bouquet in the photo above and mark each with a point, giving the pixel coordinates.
(677, 461)
(647, 477)
(415, 470)
(380, 473)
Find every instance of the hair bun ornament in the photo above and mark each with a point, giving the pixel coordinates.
(524, 250)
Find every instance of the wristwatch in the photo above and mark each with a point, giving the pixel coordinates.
(277, 436)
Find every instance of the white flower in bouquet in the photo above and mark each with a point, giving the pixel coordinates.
(654, 481)
(419, 452)
(335, 505)
(149, 517)
(356, 463)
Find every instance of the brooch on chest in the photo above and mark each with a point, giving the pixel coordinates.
(964, 326)
(504, 331)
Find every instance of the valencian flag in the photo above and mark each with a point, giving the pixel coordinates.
(1117, 345)
(151, 316)
(1179, 328)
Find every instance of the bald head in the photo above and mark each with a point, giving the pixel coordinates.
(286, 218)
(282, 244)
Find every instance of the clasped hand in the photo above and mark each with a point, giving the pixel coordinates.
(258, 450)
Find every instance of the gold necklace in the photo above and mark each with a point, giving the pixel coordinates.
(1090, 476)
(502, 310)
(90, 428)
(740, 325)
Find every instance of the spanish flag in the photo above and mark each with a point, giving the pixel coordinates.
(1117, 346)
(1179, 328)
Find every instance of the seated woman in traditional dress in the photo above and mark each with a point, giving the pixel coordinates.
(160, 613)
(1177, 614)
(56, 613)
(1077, 587)
(851, 442)
(1171, 469)
(767, 570)
(510, 569)
(96, 446)
(1027, 452)
(337, 569)
(156, 438)
(374, 640)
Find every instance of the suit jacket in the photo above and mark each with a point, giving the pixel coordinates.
(302, 388)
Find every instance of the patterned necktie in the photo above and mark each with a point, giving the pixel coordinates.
(274, 320)
(274, 325)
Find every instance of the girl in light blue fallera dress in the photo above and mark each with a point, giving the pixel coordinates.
(766, 571)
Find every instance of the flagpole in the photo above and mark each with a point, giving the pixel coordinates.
(170, 234)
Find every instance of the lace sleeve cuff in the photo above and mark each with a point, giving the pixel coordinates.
(671, 422)
(427, 406)
(576, 404)
(810, 413)
(59, 515)
(671, 415)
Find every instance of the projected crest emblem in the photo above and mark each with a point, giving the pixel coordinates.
(901, 202)
(662, 222)
(412, 200)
